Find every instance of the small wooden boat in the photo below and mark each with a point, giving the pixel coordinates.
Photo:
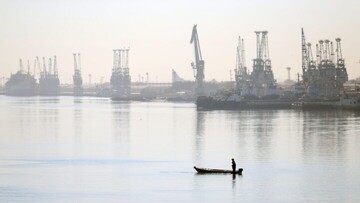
(210, 170)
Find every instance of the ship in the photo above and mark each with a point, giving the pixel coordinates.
(21, 83)
(49, 83)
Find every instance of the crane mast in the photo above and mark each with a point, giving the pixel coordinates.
(44, 66)
(338, 49)
(239, 59)
(50, 66)
(75, 63)
(21, 65)
(55, 67)
(198, 66)
(304, 57)
(241, 75)
(79, 62)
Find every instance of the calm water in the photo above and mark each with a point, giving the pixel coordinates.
(65, 149)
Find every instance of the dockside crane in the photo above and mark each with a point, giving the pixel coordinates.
(75, 63)
(120, 78)
(341, 72)
(240, 57)
(77, 79)
(241, 75)
(338, 49)
(44, 67)
(304, 52)
(198, 65)
(50, 66)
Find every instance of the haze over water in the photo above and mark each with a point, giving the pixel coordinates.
(65, 149)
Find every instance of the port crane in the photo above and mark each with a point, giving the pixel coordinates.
(241, 76)
(262, 74)
(120, 78)
(325, 76)
(198, 65)
(240, 58)
(77, 79)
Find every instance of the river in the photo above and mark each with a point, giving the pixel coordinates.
(85, 149)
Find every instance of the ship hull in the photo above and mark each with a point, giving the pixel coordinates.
(344, 102)
(209, 103)
(316, 104)
(21, 85)
(49, 87)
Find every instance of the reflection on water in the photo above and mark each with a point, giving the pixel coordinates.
(77, 119)
(324, 133)
(66, 149)
(199, 135)
(121, 127)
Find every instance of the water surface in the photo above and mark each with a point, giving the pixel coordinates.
(66, 149)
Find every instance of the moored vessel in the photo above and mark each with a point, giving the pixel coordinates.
(21, 83)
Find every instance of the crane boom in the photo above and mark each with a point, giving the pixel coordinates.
(305, 58)
(75, 63)
(55, 67)
(198, 66)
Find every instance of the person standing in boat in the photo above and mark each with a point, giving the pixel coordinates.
(233, 165)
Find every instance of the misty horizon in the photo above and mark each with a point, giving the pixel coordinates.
(158, 35)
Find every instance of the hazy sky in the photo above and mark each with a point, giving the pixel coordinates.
(158, 33)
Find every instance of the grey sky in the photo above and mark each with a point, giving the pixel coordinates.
(158, 34)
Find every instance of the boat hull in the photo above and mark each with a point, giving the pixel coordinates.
(221, 171)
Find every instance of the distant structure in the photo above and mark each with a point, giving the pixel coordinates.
(175, 77)
(77, 79)
(288, 70)
(120, 79)
(323, 77)
(49, 83)
(198, 65)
